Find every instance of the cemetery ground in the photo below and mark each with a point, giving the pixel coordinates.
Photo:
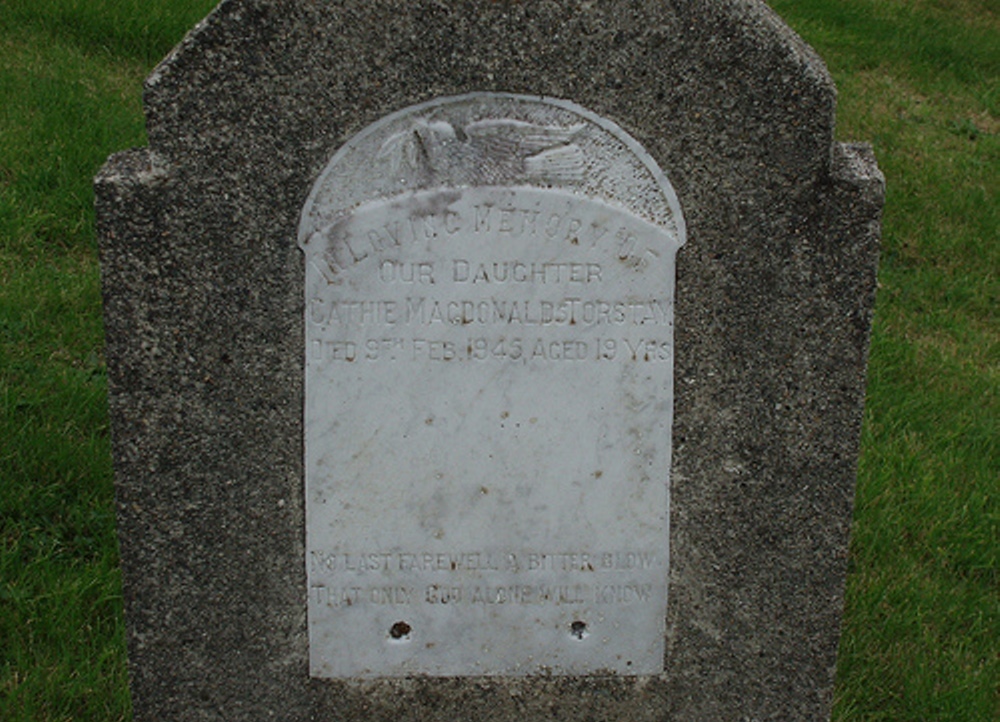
(920, 80)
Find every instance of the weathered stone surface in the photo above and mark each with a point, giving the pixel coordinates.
(204, 311)
(489, 390)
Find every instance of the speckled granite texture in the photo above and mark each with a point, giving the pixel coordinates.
(203, 309)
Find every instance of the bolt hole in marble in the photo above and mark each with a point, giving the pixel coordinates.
(400, 632)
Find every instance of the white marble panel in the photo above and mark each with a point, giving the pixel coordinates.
(489, 373)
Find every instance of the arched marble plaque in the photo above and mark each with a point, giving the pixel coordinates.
(489, 341)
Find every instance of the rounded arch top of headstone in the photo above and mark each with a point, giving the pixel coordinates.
(493, 139)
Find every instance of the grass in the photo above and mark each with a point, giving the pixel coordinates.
(918, 78)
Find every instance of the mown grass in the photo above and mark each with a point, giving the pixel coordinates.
(918, 78)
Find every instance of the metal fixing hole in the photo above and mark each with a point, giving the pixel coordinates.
(400, 631)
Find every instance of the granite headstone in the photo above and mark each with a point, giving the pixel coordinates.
(487, 360)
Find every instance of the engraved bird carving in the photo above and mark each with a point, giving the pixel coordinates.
(485, 152)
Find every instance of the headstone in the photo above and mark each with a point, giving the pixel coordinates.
(492, 360)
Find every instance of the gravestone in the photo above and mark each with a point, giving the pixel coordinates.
(491, 360)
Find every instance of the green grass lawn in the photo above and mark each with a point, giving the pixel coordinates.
(920, 79)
